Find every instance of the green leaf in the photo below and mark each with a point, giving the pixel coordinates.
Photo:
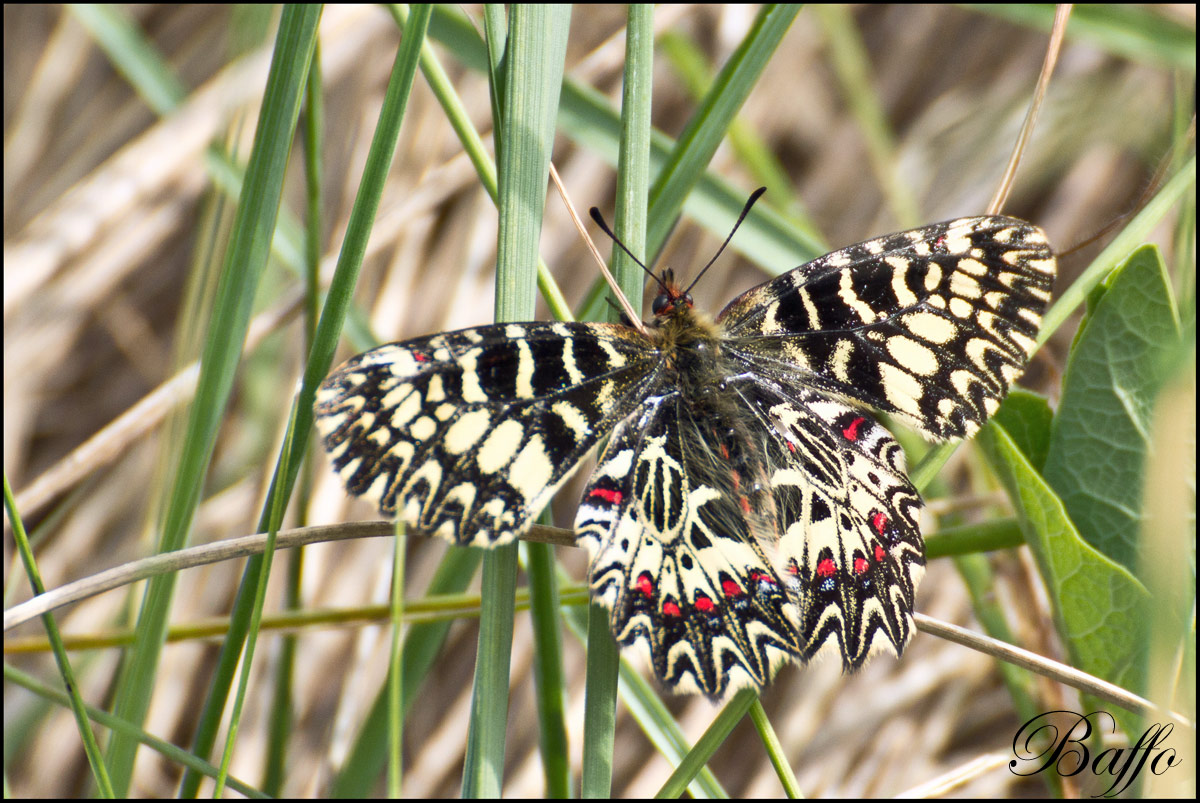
(1027, 418)
(1099, 606)
(1101, 438)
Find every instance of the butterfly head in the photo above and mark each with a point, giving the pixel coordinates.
(672, 299)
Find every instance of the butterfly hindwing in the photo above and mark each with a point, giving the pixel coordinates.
(730, 535)
(849, 546)
(675, 518)
(468, 434)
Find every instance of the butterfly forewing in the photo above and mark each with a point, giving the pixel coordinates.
(931, 325)
(468, 434)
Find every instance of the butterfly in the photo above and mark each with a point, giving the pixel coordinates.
(748, 508)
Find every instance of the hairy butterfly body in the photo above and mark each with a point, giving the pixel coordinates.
(747, 509)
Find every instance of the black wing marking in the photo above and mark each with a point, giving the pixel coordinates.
(675, 518)
(931, 325)
(468, 434)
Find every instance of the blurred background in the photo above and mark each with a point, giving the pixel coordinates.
(114, 228)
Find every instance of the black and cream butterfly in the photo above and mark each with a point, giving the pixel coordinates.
(747, 509)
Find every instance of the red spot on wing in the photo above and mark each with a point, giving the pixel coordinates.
(612, 497)
(758, 577)
(851, 432)
(731, 589)
(826, 568)
(860, 565)
(746, 505)
(879, 522)
(704, 604)
(879, 553)
(669, 608)
(645, 584)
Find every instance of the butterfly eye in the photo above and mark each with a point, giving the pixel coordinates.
(668, 302)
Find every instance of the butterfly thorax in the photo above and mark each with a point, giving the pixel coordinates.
(689, 341)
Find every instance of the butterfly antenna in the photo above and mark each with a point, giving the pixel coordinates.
(599, 220)
(754, 196)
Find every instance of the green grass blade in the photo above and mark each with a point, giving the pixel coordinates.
(852, 64)
(534, 57)
(283, 686)
(775, 750)
(170, 752)
(1143, 34)
(132, 54)
(648, 710)
(358, 776)
(708, 126)
(29, 561)
(395, 684)
(549, 679)
(714, 736)
(633, 187)
(1131, 236)
(633, 161)
(245, 260)
(588, 118)
(691, 65)
(320, 359)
